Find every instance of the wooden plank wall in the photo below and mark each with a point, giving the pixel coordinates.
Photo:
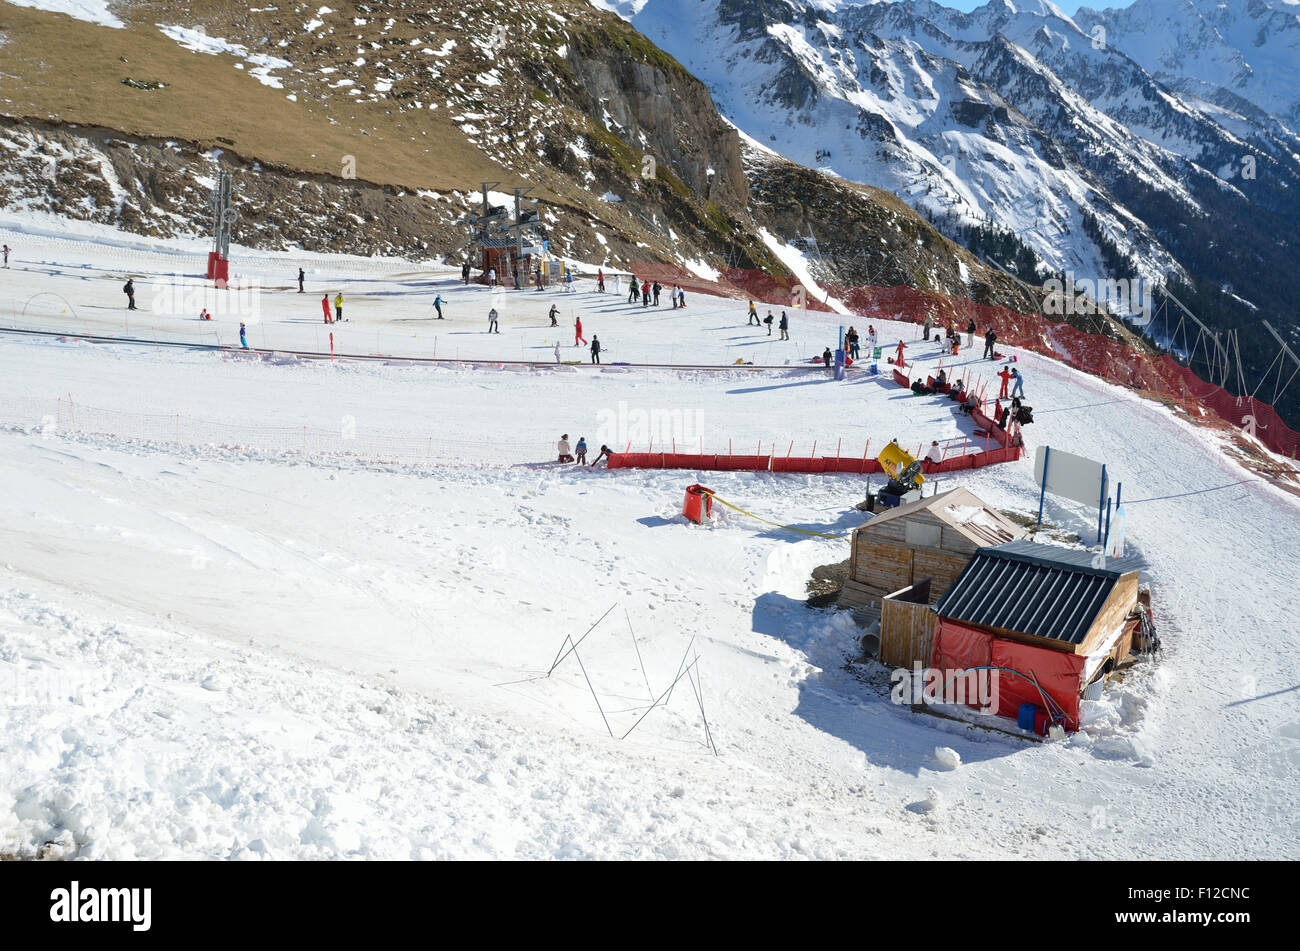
(1111, 617)
(884, 562)
(881, 565)
(942, 567)
(906, 633)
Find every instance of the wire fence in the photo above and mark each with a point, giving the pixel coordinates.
(64, 414)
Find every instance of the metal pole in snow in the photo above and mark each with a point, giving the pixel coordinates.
(1101, 502)
(1047, 456)
(1119, 497)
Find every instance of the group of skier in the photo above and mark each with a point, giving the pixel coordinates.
(569, 453)
(853, 341)
(338, 308)
(783, 325)
(649, 292)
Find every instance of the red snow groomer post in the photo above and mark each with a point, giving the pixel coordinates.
(698, 504)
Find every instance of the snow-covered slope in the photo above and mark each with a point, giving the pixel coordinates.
(216, 651)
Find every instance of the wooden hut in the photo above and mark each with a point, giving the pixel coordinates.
(1050, 620)
(932, 538)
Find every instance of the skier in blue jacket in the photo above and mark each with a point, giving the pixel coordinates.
(243, 336)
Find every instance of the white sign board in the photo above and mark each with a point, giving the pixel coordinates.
(1070, 476)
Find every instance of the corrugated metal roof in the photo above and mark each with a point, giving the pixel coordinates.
(1043, 590)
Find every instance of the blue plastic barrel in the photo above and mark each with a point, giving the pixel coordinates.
(1025, 716)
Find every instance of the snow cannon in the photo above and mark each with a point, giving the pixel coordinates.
(905, 478)
(901, 466)
(698, 504)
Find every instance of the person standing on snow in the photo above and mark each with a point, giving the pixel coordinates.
(1018, 390)
(600, 280)
(618, 285)
(557, 351)
(633, 291)
(785, 326)
(537, 275)
(578, 338)
(492, 321)
(129, 290)
(325, 306)
(554, 313)
(595, 349)
(492, 277)
(681, 297)
(871, 338)
(1005, 376)
(6, 255)
(768, 320)
(301, 277)
(437, 305)
(464, 273)
(928, 325)
(581, 450)
(970, 334)
(753, 315)
(516, 276)
(990, 339)
(645, 293)
(243, 335)
(656, 288)
(338, 307)
(568, 281)
(826, 359)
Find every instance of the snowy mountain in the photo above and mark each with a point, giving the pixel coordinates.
(385, 124)
(1021, 117)
(1239, 54)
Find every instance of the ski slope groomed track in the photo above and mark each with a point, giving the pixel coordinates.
(220, 638)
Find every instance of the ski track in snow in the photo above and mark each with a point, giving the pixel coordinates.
(225, 653)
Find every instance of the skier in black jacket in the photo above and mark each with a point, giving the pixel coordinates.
(990, 338)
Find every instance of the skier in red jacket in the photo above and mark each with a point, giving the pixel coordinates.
(578, 338)
(325, 306)
(1005, 374)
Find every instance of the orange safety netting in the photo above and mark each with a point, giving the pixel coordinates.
(1160, 376)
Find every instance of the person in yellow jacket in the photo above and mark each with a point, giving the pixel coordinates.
(338, 306)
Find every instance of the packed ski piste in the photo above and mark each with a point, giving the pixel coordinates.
(562, 471)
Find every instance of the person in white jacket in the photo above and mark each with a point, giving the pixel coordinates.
(935, 454)
(564, 449)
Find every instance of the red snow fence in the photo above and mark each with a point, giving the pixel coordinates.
(958, 454)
